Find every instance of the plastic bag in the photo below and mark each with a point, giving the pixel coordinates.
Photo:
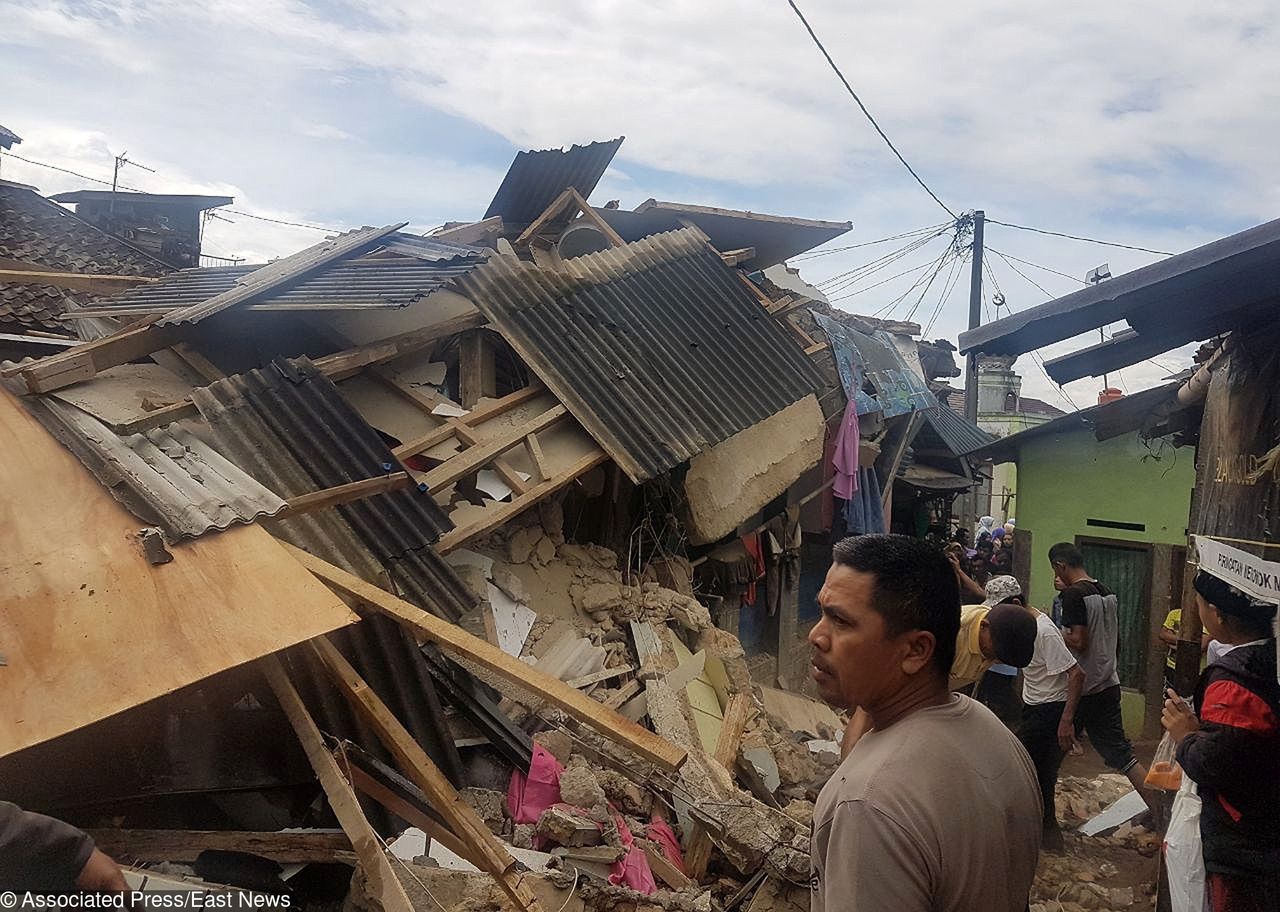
(1165, 772)
(1183, 853)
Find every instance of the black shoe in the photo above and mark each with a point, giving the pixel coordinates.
(1051, 840)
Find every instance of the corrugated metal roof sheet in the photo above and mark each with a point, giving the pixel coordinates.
(656, 347)
(167, 477)
(372, 283)
(536, 178)
(288, 419)
(956, 432)
(281, 273)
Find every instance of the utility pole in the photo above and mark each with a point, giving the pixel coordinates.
(975, 320)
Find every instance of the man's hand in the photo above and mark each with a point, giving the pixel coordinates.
(1177, 717)
(101, 875)
(1066, 734)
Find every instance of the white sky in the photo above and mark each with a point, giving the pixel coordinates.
(1152, 125)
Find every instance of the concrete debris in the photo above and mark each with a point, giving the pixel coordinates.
(568, 826)
(579, 785)
(490, 805)
(522, 835)
(800, 811)
(557, 743)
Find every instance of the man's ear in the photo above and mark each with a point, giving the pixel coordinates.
(920, 645)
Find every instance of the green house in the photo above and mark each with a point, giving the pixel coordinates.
(1089, 477)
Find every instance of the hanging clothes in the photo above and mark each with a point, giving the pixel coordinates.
(755, 548)
(845, 459)
(864, 512)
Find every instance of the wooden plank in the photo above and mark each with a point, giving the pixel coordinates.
(89, 629)
(366, 784)
(474, 233)
(667, 872)
(83, 361)
(504, 512)
(380, 879)
(533, 447)
(75, 281)
(477, 457)
(457, 641)
(785, 305)
(590, 214)
(186, 845)
(472, 419)
(623, 694)
(353, 490)
(558, 205)
(489, 853)
(198, 362)
(736, 713)
(741, 255)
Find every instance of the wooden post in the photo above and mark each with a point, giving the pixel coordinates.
(477, 374)
(1163, 568)
(381, 879)
(736, 712)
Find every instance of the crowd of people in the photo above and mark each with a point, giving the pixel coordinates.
(939, 805)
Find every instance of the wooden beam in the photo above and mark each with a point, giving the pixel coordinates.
(379, 877)
(667, 872)
(84, 361)
(472, 419)
(455, 640)
(558, 205)
(477, 377)
(186, 845)
(741, 255)
(534, 448)
(380, 792)
(463, 820)
(736, 712)
(75, 281)
(590, 214)
(198, 362)
(496, 516)
(787, 304)
(352, 490)
(603, 675)
(482, 454)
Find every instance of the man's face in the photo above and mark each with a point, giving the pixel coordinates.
(985, 645)
(855, 662)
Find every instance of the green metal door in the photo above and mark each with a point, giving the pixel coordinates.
(1125, 572)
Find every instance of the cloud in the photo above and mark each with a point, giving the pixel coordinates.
(1095, 118)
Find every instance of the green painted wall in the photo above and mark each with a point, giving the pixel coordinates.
(1065, 479)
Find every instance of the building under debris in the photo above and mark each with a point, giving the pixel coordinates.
(492, 546)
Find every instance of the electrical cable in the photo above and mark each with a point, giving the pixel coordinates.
(808, 28)
(852, 275)
(811, 254)
(887, 310)
(948, 254)
(957, 269)
(1038, 266)
(896, 275)
(1076, 237)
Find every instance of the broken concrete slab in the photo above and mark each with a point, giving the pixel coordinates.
(568, 826)
(580, 787)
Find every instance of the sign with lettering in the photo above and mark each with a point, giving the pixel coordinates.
(1251, 575)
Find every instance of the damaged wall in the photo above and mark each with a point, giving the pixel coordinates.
(730, 482)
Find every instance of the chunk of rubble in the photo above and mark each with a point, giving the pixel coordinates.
(579, 785)
(568, 826)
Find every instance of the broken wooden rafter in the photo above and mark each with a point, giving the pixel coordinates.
(380, 879)
(486, 850)
(367, 784)
(496, 516)
(74, 281)
(473, 233)
(603, 674)
(484, 452)
(741, 255)
(471, 420)
(345, 493)
(455, 640)
(84, 361)
(570, 201)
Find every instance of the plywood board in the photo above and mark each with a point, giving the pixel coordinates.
(88, 628)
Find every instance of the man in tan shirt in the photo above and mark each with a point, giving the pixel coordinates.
(936, 808)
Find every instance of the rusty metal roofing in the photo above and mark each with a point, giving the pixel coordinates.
(167, 477)
(281, 273)
(657, 347)
(536, 178)
(288, 421)
(352, 285)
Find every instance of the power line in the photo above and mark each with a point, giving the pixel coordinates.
(896, 275)
(953, 279)
(936, 264)
(107, 183)
(808, 28)
(948, 254)
(1048, 294)
(843, 280)
(1076, 237)
(1038, 266)
(812, 254)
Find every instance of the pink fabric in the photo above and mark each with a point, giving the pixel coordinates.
(660, 832)
(633, 870)
(845, 459)
(528, 796)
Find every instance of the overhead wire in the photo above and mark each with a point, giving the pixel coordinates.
(812, 254)
(896, 275)
(887, 310)
(1077, 237)
(1056, 272)
(843, 279)
(953, 278)
(948, 255)
(888, 142)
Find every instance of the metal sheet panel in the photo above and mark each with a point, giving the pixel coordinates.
(536, 178)
(956, 432)
(288, 418)
(656, 347)
(166, 477)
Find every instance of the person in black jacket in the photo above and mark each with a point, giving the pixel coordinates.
(1232, 751)
(44, 855)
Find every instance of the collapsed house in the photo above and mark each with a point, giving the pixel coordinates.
(458, 532)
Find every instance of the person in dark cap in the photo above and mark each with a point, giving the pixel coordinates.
(1232, 750)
